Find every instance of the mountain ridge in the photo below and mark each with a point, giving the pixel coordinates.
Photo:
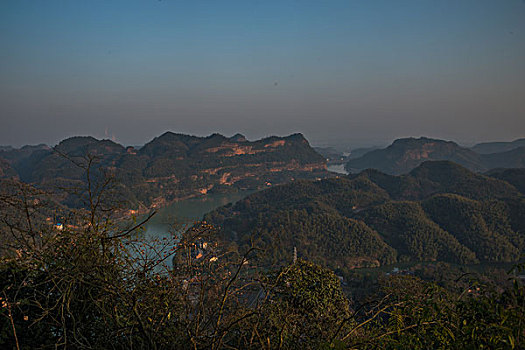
(405, 154)
(171, 166)
(497, 146)
(438, 212)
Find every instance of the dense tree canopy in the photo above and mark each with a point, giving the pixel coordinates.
(439, 212)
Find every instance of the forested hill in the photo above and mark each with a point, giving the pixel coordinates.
(405, 154)
(439, 211)
(170, 167)
(515, 177)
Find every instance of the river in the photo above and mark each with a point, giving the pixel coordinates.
(160, 231)
(337, 168)
(185, 212)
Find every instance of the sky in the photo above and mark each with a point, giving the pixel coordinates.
(348, 72)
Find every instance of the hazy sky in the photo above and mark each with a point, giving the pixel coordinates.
(360, 72)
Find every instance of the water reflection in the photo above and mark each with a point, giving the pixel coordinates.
(338, 168)
(172, 218)
(162, 230)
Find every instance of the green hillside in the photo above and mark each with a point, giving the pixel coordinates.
(438, 212)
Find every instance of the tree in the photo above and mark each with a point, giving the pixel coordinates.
(304, 306)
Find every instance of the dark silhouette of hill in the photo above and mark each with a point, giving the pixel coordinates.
(497, 147)
(514, 158)
(403, 155)
(515, 177)
(359, 152)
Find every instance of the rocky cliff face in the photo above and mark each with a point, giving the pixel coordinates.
(172, 166)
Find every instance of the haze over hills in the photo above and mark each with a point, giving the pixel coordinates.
(496, 147)
(405, 154)
(514, 158)
(439, 211)
(103, 244)
(171, 166)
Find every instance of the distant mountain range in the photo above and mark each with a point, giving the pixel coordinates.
(440, 211)
(170, 167)
(496, 147)
(405, 154)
